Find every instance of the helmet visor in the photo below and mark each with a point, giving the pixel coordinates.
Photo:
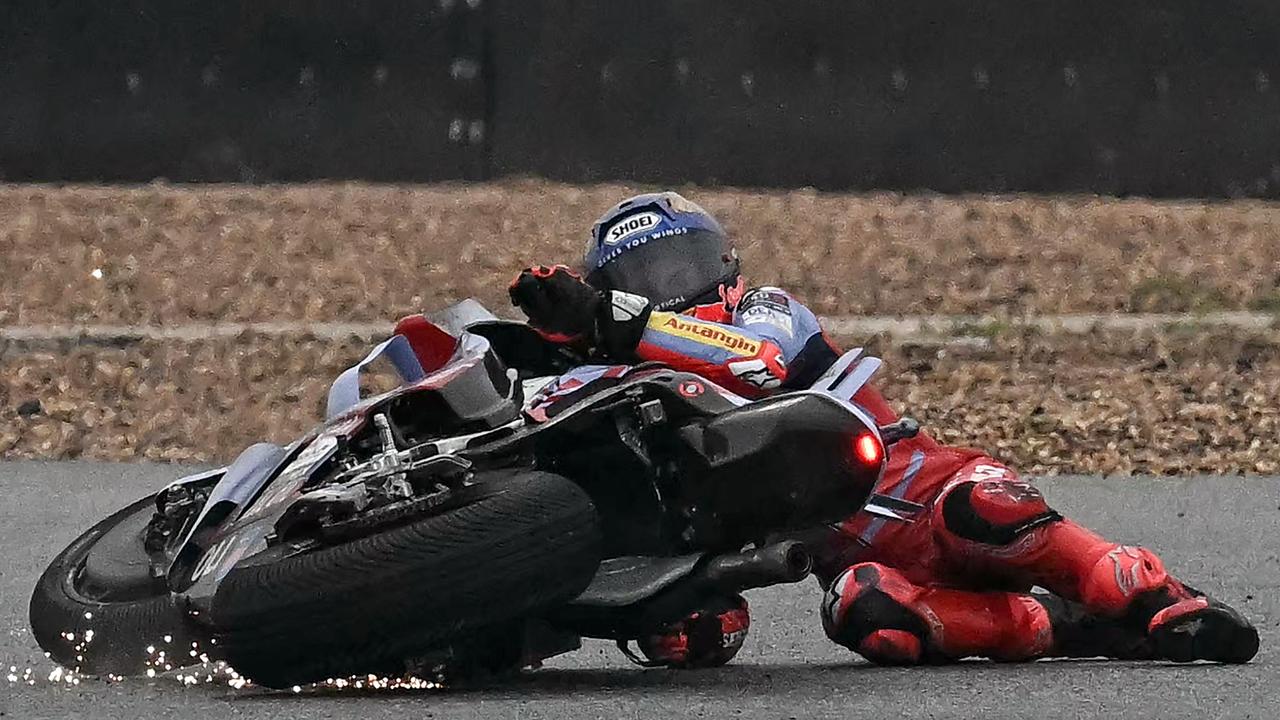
(674, 273)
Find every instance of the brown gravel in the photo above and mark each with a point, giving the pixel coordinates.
(1164, 403)
(171, 254)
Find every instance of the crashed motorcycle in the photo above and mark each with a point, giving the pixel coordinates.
(502, 502)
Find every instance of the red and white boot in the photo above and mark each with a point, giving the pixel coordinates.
(1201, 628)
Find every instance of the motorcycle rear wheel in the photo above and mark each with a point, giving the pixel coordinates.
(368, 605)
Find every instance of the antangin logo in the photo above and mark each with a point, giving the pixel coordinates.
(713, 334)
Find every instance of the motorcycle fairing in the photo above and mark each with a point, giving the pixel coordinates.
(473, 388)
(563, 390)
(249, 533)
(344, 393)
(240, 482)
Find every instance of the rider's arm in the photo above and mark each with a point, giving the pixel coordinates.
(750, 356)
(777, 316)
(739, 359)
(774, 342)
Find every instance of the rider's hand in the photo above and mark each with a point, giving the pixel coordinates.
(559, 303)
(563, 308)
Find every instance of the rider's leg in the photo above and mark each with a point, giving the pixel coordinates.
(990, 521)
(875, 611)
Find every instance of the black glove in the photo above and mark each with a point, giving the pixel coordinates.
(558, 302)
(564, 308)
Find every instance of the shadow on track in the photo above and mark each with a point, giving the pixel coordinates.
(747, 681)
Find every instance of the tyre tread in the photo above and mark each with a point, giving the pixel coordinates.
(365, 605)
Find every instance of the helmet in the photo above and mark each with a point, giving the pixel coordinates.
(663, 247)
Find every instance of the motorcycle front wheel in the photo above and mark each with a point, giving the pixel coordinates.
(530, 543)
(97, 609)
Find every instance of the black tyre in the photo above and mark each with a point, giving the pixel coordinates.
(367, 605)
(96, 608)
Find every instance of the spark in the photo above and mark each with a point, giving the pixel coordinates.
(210, 671)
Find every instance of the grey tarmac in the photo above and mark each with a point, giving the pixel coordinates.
(1222, 534)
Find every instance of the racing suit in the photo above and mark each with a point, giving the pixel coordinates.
(957, 580)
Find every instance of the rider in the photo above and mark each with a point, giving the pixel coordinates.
(662, 282)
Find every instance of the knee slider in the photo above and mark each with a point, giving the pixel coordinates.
(996, 511)
(1119, 577)
(868, 611)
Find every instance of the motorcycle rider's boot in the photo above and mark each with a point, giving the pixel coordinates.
(1131, 585)
(1197, 627)
(706, 638)
(1078, 633)
(1183, 623)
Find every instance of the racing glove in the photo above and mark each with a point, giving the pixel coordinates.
(563, 308)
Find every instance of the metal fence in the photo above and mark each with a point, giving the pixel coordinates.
(1125, 97)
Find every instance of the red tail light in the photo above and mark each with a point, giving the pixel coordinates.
(868, 449)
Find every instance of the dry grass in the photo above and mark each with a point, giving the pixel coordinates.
(1165, 403)
(339, 251)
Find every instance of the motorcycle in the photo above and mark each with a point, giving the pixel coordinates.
(503, 501)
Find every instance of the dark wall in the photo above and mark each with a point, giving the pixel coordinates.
(1116, 96)
(243, 90)
(1175, 98)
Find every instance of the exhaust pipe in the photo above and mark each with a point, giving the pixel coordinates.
(784, 562)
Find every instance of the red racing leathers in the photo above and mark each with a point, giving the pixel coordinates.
(957, 580)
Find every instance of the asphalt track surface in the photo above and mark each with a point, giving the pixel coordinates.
(1222, 534)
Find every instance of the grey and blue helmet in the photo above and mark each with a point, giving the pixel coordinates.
(663, 247)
